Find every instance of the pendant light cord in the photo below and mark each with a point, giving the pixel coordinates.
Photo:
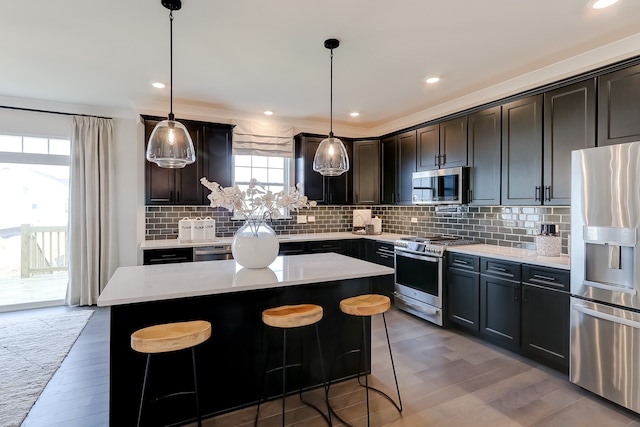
(171, 117)
(331, 100)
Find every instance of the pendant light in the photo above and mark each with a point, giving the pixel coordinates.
(331, 157)
(170, 145)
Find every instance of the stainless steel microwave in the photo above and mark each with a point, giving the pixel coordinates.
(440, 187)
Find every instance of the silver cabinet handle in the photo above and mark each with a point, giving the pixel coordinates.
(606, 316)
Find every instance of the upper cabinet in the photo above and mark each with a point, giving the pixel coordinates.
(569, 124)
(327, 190)
(212, 143)
(388, 170)
(442, 145)
(484, 156)
(366, 172)
(619, 106)
(522, 151)
(406, 166)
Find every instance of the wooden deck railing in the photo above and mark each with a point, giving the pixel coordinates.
(44, 250)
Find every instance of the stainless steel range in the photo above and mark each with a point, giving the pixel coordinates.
(420, 273)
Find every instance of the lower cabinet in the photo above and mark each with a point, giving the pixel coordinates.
(381, 253)
(167, 256)
(521, 307)
(463, 282)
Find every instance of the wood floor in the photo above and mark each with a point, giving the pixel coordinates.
(446, 378)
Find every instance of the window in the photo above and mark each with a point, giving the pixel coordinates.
(272, 172)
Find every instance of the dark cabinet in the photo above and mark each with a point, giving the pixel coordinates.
(388, 170)
(545, 316)
(463, 281)
(381, 253)
(569, 124)
(406, 166)
(212, 144)
(484, 156)
(323, 189)
(398, 163)
(337, 246)
(500, 302)
(619, 106)
(442, 145)
(522, 151)
(366, 172)
(292, 248)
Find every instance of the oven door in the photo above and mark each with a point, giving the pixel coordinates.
(420, 276)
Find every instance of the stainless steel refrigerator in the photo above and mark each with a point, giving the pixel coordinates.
(605, 300)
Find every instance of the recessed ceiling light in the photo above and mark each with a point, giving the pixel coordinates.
(158, 85)
(268, 113)
(433, 80)
(354, 114)
(601, 4)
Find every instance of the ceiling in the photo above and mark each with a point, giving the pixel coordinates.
(239, 58)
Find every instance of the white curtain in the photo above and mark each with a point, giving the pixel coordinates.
(92, 233)
(262, 139)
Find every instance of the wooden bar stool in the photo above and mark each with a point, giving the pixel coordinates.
(167, 338)
(366, 306)
(287, 317)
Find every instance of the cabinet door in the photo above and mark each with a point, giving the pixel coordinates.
(407, 165)
(522, 152)
(340, 188)
(313, 183)
(464, 298)
(484, 156)
(500, 310)
(619, 106)
(389, 170)
(366, 172)
(545, 326)
(188, 190)
(453, 143)
(159, 183)
(216, 157)
(569, 124)
(428, 154)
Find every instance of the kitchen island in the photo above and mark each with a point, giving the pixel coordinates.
(232, 298)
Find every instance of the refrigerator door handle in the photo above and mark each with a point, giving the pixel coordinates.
(606, 316)
(607, 287)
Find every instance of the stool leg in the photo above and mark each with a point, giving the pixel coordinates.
(393, 366)
(324, 378)
(366, 365)
(144, 386)
(284, 371)
(195, 385)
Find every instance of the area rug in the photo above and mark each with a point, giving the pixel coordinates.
(31, 350)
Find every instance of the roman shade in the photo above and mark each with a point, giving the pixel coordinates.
(262, 139)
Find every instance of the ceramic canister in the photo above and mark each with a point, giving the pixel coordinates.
(184, 230)
(209, 228)
(197, 230)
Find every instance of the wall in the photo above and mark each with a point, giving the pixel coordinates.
(511, 226)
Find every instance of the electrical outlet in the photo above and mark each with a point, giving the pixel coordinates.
(414, 220)
(302, 219)
(311, 218)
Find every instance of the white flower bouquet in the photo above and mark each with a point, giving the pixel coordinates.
(256, 203)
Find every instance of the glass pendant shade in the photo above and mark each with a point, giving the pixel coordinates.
(331, 157)
(170, 145)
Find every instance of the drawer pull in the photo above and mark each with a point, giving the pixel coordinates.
(541, 277)
(498, 269)
(460, 261)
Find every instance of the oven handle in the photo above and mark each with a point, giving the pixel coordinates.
(429, 311)
(421, 257)
(605, 316)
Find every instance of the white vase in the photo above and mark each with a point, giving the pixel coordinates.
(255, 245)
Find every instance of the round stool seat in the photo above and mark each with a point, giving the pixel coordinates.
(292, 316)
(365, 305)
(170, 336)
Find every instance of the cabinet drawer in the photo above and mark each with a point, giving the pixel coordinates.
(502, 269)
(167, 256)
(292, 248)
(547, 277)
(463, 262)
(326, 246)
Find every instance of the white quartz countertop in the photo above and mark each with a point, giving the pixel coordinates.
(146, 283)
(513, 254)
(284, 238)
